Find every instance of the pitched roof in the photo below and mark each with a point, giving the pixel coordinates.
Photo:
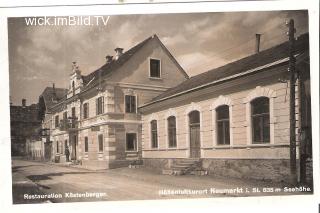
(253, 61)
(52, 95)
(115, 64)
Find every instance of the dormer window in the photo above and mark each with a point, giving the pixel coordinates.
(154, 68)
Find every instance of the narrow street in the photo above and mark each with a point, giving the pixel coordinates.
(34, 178)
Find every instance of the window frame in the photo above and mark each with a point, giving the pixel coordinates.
(99, 111)
(135, 144)
(135, 104)
(102, 145)
(56, 121)
(86, 144)
(223, 121)
(160, 70)
(85, 110)
(154, 131)
(261, 117)
(169, 132)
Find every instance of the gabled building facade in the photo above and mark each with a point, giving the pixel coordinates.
(234, 118)
(98, 120)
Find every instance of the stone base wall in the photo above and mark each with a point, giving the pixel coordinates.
(277, 170)
(104, 164)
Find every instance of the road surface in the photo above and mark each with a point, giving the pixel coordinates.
(56, 183)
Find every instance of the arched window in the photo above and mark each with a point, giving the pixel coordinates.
(223, 125)
(154, 134)
(260, 120)
(172, 134)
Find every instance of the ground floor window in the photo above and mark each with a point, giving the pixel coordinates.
(131, 141)
(100, 140)
(86, 144)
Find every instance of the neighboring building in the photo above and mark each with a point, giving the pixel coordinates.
(99, 119)
(24, 126)
(234, 118)
(49, 97)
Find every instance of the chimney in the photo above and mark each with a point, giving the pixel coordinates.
(24, 101)
(258, 36)
(118, 52)
(109, 58)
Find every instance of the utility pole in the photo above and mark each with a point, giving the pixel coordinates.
(292, 70)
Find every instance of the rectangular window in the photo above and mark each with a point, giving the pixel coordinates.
(99, 106)
(100, 141)
(260, 120)
(130, 102)
(86, 144)
(223, 125)
(154, 134)
(172, 135)
(86, 110)
(131, 141)
(56, 121)
(155, 67)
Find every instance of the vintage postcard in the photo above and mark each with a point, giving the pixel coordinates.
(160, 106)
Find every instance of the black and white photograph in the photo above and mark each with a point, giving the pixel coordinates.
(160, 106)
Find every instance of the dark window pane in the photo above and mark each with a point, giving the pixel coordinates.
(130, 103)
(194, 117)
(100, 143)
(256, 129)
(154, 134)
(260, 105)
(227, 132)
(222, 112)
(154, 68)
(220, 136)
(172, 131)
(86, 145)
(266, 128)
(131, 141)
(260, 120)
(86, 110)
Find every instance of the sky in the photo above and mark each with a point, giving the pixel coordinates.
(42, 55)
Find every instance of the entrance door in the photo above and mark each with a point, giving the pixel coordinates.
(194, 128)
(74, 148)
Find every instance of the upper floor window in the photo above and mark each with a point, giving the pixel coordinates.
(73, 88)
(86, 144)
(100, 141)
(99, 105)
(223, 125)
(154, 134)
(260, 120)
(172, 134)
(155, 68)
(56, 121)
(85, 110)
(130, 103)
(131, 141)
